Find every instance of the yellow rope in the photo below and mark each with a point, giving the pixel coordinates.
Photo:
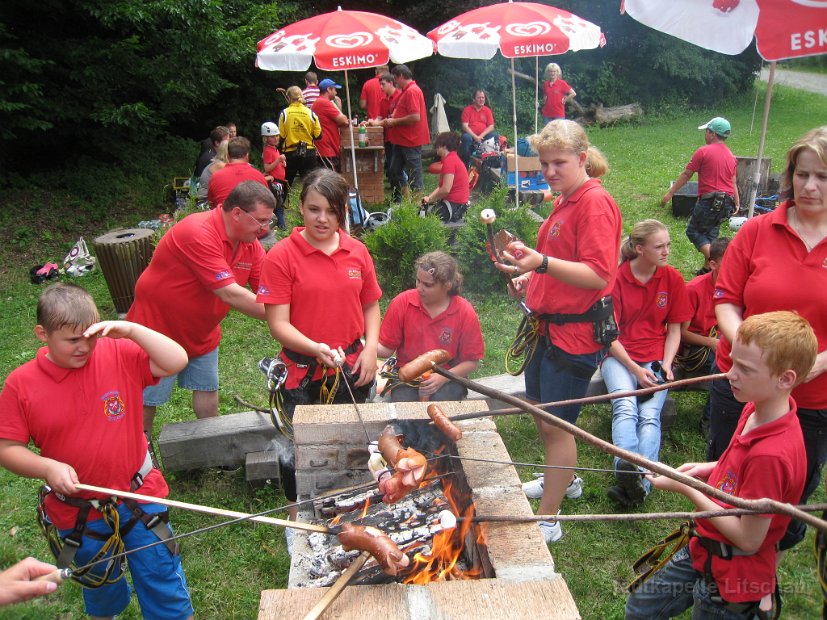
(522, 348)
(698, 357)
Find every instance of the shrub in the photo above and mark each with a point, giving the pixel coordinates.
(396, 246)
(480, 274)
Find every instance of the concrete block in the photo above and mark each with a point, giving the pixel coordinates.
(262, 468)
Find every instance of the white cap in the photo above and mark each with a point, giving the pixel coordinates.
(269, 129)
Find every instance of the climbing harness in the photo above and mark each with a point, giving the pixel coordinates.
(276, 372)
(390, 372)
(693, 358)
(654, 559)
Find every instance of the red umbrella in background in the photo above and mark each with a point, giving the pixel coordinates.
(783, 29)
(340, 41)
(516, 30)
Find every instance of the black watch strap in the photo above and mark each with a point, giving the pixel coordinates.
(543, 266)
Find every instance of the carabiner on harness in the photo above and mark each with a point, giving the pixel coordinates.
(276, 372)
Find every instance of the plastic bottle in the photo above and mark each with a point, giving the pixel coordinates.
(363, 136)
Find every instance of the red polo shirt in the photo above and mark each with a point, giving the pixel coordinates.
(699, 291)
(328, 144)
(271, 154)
(411, 101)
(584, 228)
(174, 295)
(90, 418)
(478, 120)
(771, 269)
(554, 92)
(386, 108)
(642, 310)
(769, 461)
(410, 330)
(373, 95)
(223, 181)
(460, 190)
(715, 165)
(326, 294)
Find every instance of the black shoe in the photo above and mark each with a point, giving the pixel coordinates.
(618, 494)
(632, 483)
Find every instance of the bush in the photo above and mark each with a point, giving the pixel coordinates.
(480, 274)
(396, 246)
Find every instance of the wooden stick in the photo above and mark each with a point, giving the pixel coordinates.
(761, 506)
(589, 400)
(336, 589)
(635, 516)
(296, 525)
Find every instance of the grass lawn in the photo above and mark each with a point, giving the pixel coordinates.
(228, 568)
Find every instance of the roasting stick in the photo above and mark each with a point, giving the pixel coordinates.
(634, 516)
(336, 589)
(296, 525)
(588, 400)
(762, 506)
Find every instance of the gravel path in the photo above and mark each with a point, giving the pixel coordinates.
(812, 82)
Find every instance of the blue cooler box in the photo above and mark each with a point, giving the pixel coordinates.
(529, 180)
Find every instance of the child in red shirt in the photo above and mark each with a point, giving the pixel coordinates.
(728, 568)
(274, 168)
(650, 304)
(80, 402)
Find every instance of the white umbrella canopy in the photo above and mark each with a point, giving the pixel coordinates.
(516, 30)
(340, 41)
(783, 29)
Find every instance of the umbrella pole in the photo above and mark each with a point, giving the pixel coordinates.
(536, 90)
(516, 151)
(352, 148)
(756, 177)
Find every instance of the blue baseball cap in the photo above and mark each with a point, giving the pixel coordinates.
(719, 126)
(327, 83)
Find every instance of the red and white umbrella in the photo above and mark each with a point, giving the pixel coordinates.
(782, 29)
(339, 41)
(516, 30)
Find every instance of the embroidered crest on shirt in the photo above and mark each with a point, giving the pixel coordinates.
(263, 290)
(113, 407)
(729, 483)
(662, 299)
(719, 293)
(222, 275)
(354, 274)
(554, 231)
(446, 335)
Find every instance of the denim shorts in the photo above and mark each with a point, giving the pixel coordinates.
(156, 574)
(199, 375)
(705, 223)
(552, 374)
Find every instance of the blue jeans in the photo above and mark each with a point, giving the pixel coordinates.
(407, 159)
(156, 574)
(466, 144)
(672, 590)
(552, 375)
(635, 424)
(199, 375)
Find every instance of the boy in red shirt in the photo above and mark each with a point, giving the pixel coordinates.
(728, 568)
(80, 402)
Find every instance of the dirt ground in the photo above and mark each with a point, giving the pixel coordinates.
(812, 82)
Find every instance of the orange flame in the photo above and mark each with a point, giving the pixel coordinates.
(335, 520)
(446, 548)
(365, 509)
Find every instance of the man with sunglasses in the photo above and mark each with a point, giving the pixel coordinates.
(199, 271)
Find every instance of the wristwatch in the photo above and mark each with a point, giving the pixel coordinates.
(543, 266)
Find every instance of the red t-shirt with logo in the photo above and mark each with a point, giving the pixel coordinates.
(373, 95)
(583, 228)
(90, 418)
(769, 461)
(642, 311)
(175, 294)
(699, 291)
(386, 108)
(411, 101)
(327, 294)
(554, 92)
(410, 330)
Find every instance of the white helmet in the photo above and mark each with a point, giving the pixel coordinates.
(269, 129)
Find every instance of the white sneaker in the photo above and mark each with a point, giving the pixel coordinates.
(575, 488)
(533, 489)
(289, 535)
(552, 532)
